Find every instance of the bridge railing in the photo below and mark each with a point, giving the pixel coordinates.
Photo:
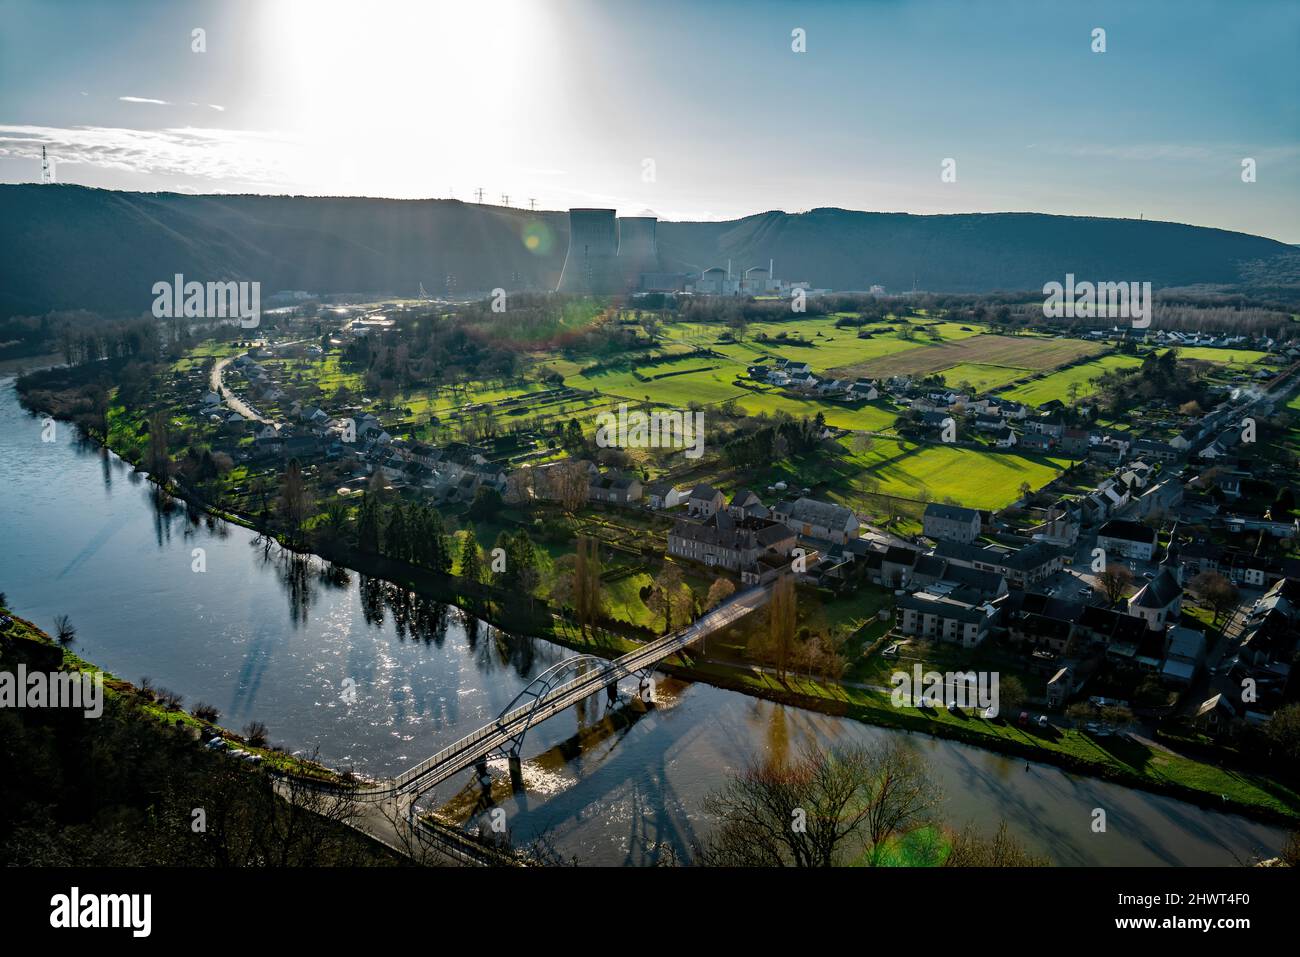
(618, 668)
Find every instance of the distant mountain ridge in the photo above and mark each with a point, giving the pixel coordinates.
(72, 247)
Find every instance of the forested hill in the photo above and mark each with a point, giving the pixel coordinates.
(71, 247)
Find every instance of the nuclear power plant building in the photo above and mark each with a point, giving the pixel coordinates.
(611, 255)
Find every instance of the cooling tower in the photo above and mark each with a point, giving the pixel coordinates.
(638, 253)
(591, 266)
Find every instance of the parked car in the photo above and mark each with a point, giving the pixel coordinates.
(1042, 720)
(1024, 719)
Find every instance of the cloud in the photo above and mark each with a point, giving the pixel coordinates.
(143, 99)
(219, 109)
(233, 158)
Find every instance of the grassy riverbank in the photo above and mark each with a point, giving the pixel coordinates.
(132, 786)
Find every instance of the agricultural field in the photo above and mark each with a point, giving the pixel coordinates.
(870, 417)
(971, 477)
(982, 378)
(676, 383)
(1057, 385)
(1015, 352)
(1220, 356)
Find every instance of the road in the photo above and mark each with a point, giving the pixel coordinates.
(217, 385)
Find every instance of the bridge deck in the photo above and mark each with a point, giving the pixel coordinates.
(479, 744)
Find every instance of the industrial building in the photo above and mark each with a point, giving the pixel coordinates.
(618, 255)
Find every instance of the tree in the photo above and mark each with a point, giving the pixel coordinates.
(65, 631)
(863, 443)
(719, 591)
(669, 596)
(970, 849)
(471, 559)
(293, 499)
(1215, 592)
(782, 615)
(1114, 582)
(1283, 733)
(159, 457)
(824, 809)
(584, 590)
(1011, 693)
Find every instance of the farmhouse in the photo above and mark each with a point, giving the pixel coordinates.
(615, 488)
(704, 501)
(951, 523)
(723, 542)
(662, 495)
(813, 519)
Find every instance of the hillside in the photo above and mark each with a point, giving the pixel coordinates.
(68, 247)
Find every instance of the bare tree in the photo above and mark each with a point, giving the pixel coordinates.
(65, 631)
(1215, 592)
(970, 849)
(1114, 582)
(821, 810)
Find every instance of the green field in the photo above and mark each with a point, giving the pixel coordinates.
(1220, 356)
(981, 377)
(1057, 385)
(971, 477)
(1016, 352)
(872, 417)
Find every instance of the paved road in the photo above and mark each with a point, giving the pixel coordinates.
(235, 402)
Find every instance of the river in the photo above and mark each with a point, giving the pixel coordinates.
(375, 680)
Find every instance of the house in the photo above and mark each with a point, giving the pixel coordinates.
(746, 504)
(896, 566)
(813, 519)
(1075, 442)
(1127, 539)
(1004, 438)
(951, 523)
(945, 617)
(704, 501)
(1152, 449)
(1022, 568)
(863, 390)
(1160, 498)
(615, 488)
(1158, 602)
(1059, 688)
(662, 495)
(1184, 655)
(723, 542)
(1035, 442)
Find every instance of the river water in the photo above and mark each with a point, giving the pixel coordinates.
(375, 680)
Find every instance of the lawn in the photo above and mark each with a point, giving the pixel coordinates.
(1057, 385)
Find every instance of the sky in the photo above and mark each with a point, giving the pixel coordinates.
(689, 110)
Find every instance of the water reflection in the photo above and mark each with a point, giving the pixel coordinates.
(268, 635)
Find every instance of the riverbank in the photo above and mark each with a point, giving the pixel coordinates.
(1137, 767)
(123, 780)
